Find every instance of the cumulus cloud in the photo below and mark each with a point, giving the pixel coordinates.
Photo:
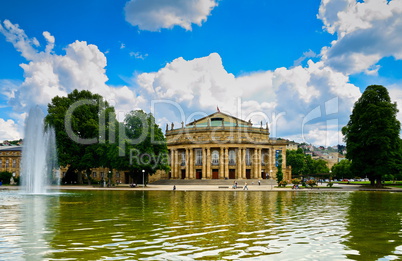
(395, 93)
(47, 74)
(153, 15)
(367, 32)
(9, 130)
(285, 98)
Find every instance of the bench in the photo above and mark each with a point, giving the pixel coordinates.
(223, 187)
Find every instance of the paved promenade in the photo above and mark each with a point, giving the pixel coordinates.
(221, 186)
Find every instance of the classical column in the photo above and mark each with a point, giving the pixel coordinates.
(175, 161)
(259, 162)
(244, 166)
(254, 164)
(204, 163)
(238, 164)
(227, 162)
(187, 163)
(272, 162)
(172, 163)
(221, 164)
(208, 163)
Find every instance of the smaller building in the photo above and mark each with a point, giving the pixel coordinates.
(10, 159)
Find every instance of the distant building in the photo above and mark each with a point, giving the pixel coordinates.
(292, 145)
(220, 146)
(10, 159)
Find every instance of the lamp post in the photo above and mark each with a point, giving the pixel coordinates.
(143, 177)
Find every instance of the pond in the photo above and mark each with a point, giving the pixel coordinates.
(194, 225)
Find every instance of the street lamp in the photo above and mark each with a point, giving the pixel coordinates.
(143, 177)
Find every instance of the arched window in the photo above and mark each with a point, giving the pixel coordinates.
(215, 157)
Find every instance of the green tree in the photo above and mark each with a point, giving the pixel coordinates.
(81, 122)
(342, 170)
(296, 159)
(142, 145)
(320, 166)
(372, 135)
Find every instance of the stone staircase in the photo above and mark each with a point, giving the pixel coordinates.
(207, 182)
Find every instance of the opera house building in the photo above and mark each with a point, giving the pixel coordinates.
(221, 146)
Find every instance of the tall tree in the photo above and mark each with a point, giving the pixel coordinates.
(142, 145)
(372, 135)
(279, 173)
(296, 159)
(81, 121)
(342, 170)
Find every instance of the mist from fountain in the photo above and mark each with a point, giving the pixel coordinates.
(39, 157)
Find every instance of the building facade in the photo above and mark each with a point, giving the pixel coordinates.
(10, 159)
(221, 146)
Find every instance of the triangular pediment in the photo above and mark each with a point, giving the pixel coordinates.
(220, 119)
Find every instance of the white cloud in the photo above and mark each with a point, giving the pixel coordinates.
(284, 97)
(47, 75)
(366, 32)
(153, 15)
(395, 93)
(9, 130)
(138, 55)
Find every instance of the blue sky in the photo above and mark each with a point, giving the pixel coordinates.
(298, 65)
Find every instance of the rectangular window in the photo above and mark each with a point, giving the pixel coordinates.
(14, 163)
(102, 175)
(198, 157)
(1, 163)
(94, 174)
(232, 157)
(7, 163)
(117, 175)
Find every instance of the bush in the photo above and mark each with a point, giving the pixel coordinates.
(295, 181)
(311, 183)
(283, 183)
(330, 184)
(5, 177)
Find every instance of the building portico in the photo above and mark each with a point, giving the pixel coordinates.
(221, 146)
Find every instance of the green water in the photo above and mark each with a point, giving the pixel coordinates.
(178, 225)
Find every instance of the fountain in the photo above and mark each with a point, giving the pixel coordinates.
(39, 158)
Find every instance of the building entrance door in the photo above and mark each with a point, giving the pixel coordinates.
(183, 174)
(232, 173)
(248, 173)
(198, 174)
(215, 174)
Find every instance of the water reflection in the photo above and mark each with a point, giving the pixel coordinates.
(26, 225)
(179, 225)
(374, 222)
(191, 225)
